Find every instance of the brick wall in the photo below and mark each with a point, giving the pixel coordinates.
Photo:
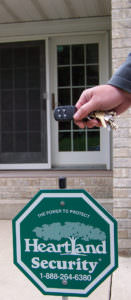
(121, 46)
(17, 188)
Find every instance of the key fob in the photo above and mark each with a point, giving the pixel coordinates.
(64, 113)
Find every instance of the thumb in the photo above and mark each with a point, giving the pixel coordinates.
(85, 110)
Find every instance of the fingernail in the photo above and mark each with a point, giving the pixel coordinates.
(75, 116)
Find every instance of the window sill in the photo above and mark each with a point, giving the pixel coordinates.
(56, 173)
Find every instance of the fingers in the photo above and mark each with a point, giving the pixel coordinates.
(84, 98)
(89, 124)
(85, 110)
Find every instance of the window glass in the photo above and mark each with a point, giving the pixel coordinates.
(78, 69)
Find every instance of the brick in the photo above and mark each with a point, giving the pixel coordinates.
(129, 213)
(124, 252)
(121, 23)
(71, 181)
(48, 182)
(129, 172)
(123, 52)
(122, 202)
(120, 152)
(124, 122)
(120, 4)
(121, 133)
(120, 172)
(129, 132)
(122, 162)
(122, 182)
(121, 13)
(124, 223)
(96, 181)
(120, 193)
(121, 142)
(129, 233)
(124, 243)
(120, 213)
(117, 33)
(123, 234)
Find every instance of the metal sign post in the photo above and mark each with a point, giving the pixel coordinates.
(62, 185)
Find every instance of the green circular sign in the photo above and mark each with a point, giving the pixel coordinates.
(65, 242)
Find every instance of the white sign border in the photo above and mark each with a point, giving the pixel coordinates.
(32, 275)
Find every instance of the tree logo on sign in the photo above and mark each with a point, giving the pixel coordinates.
(72, 231)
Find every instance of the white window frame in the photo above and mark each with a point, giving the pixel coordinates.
(91, 159)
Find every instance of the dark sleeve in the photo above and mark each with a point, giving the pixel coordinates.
(122, 77)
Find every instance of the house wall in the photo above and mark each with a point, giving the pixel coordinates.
(18, 187)
(121, 46)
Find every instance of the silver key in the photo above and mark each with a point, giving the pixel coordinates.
(109, 118)
(106, 118)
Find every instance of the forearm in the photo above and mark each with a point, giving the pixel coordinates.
(122, 77)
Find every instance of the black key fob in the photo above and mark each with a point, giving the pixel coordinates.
(64, 113)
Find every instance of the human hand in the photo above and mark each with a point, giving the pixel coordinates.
(103, 98)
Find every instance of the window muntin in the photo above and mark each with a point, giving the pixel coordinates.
(77, 69)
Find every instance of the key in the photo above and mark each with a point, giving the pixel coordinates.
(109, 118)
(106, 118)
(100, 115)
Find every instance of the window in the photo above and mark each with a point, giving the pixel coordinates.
(77, 69)
(23, 136)
(78, 63)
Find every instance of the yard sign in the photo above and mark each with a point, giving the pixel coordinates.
(65, 242)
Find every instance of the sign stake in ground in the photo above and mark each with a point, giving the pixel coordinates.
(65, 242)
